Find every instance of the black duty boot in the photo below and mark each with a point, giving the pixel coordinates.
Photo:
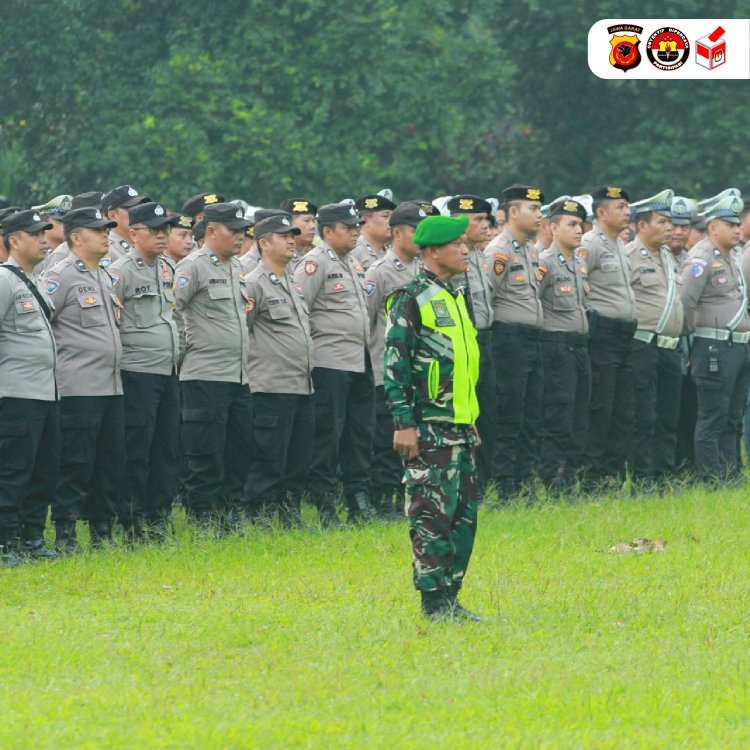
(65, 538)
(10, 551)
(36, 549)
(360, 507)
(435, 605)
(290, 512)
(326, 505)
(458, 612)
(101, 534)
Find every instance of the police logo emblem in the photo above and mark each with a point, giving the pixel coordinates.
(422, 214)
(238, 213)
(52, 286)
(105, 263)
(36, 217)
(285, 222)
(300, 207)
(132, 192)
(310, 267)
(352, 211)
(183, 279)
(624, 53)
(668, 48)
(370, 287)
(371, 203)
(98, 214)
(159, 210)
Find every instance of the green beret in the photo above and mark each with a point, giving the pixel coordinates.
(440, 230)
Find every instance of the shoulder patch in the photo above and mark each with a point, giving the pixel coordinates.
(501, 259)
(52, 286)
(183, 279)
(115, 275)
(105, 262)
(697, 268)
(311, 267)
(583, 253)
(370, 286)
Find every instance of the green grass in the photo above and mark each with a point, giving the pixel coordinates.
(280, 640)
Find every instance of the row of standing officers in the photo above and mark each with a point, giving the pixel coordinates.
(154, 363)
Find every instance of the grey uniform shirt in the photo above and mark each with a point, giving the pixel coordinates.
(514, 278)
(61, 252)
(609, 275)
(713, 289)
(333, 288)
(281, 345)
(148, 332)
(210, 316)
(365, 254)
(85, 321)
(27, 346)
(564, 289)
(118, 248)
(656, 286)
(250, 260)
(480, 288)
(382, 278)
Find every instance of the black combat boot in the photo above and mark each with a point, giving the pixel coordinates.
(435, 606)
(360, 507)
(326, 505)
(10, 550)
(65, 538)
(101, 534)
(458, 612)
(35, 548)
(290, 512)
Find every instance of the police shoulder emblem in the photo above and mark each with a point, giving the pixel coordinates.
(52, 286)
(370, 286)
(310, 267)
(183, 279)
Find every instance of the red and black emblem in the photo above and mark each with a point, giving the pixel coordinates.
(668, 48)
(625, 54)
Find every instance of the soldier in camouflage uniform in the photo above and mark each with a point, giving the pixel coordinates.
(431, 372)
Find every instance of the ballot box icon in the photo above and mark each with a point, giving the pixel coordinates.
(711, 50)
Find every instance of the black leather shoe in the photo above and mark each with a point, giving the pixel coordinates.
(36, 549)
(65, 538)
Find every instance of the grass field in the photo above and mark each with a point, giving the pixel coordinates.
(281, 640)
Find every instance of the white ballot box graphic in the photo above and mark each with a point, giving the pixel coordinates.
(711, 50)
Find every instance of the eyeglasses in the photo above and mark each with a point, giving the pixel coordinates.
(166, 229)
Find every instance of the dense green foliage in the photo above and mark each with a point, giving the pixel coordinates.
(304, 640)
(330, 99)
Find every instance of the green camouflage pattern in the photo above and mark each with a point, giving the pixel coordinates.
(418, 377)
(441, 503)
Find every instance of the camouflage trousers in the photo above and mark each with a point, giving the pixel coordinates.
(441, 503)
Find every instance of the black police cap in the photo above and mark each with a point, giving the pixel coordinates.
(199, 230)
(226, 213)
(151, 214)
(277, 224)
(609, 193)
(299, 206)
(89, 217)
(123, 196)
(24, 221)
(468, 204)
(568, 207)
(8, 211)
(181, 221)
(519, 192)
(373, 202)
(334, 213)
(195, 204)
(408, 213)
(84, 200)
(266, 213)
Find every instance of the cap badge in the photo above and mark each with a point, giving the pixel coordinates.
(300, 207)
(185, 222)
(570, 206)
(285, 222)
(239, 213)
(466, 204)
(352, 211)
(371, 203)
(36, 217)
(736, 206)
(679, 207)
(98, 214)
(159, 210)
(132, 192)
(533, 194)
(422, 214)
(614, 192)
(212, 198)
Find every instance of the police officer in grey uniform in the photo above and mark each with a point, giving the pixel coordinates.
(303, 218)
(281, 361)
(332, 283)
(85, 321)
(214, 347)
(612, 323)
(251, 258)
(655, 349)
(29, 419)
(375, 212)
(714, 295)
(4, 213)
(476, 282)
(143, 282)
(516, 339)
(115, 204)
(394, 271)
(564, 289)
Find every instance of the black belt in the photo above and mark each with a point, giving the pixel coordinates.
(616, 325)
(520, 329)
(566, 337)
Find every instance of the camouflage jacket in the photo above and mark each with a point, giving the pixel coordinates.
(431, 362)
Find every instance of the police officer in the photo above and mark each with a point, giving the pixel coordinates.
(332, 284)
(303, 218)
(612, 323)
(564, 289)
(214, 348)
(115, 205)
(516, 339)
(53, 211)
(375, 212)
(195, 206)
(180, 238)
(251, 258)
(85, 322)
(714, 295)
(29, 419)
(281, 361)
(477, 283)
(143, 283)
(394, 271)
(4, 213)
(680, 213)
(655, 349)
(431, 372)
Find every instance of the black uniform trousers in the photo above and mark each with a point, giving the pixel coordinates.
(487, 398)
(29, 464)
(387, 468)
(344, 430)
(216, 433)
(282, 445)
(612, 395)
(688, 412)
(92, 459)
(517, 353)
(657, 374)
(567, 392)
(721, 403)
(152, 424)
